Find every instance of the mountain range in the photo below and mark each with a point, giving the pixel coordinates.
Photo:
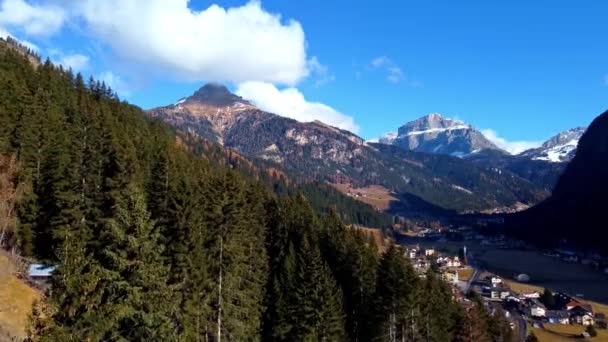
(437, 134)
(316, 151)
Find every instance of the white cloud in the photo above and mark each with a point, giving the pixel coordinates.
(234, 44)
(115, 82)
(75, 61)
(380, 61)
(42, 20)
(166, 37)
(4, 33)
(29, 45)
(513, 147)
(394, 74)
(320, 71)
(290, 102)
(216, 44)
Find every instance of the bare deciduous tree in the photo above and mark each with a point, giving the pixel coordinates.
(9, 194)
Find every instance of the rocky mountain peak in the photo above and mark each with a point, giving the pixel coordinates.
(433, 121)
(215, 94)
(559, 148)
(435, 133)
(565, 137)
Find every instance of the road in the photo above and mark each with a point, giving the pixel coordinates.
(476, 272)
(523, 326)
(516, 318)
(473, 278)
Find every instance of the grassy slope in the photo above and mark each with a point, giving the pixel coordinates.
(528, 288)
(562, 332)
(16, 300)
(464, 274)
(375, 195)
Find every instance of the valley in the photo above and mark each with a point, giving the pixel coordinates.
(544, 271)
(281, 171)
(420, 181)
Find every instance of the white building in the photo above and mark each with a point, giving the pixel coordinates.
(532, 295)
(496, 281)
(537, 309)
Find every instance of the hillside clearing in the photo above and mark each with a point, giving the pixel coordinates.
(377, 196)
(377, 236)
(16, 300)
(562, 332)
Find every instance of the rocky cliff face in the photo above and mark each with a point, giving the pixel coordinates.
(436, 134)
(558, 149)
(315, 150)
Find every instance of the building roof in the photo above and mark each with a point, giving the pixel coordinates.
(40, 270)
(573, 303)
(537, 303)
(560, 314)
(582, 309)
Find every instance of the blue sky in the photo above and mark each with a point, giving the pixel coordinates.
(525, 69)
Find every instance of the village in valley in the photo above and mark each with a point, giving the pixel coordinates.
(528, 308)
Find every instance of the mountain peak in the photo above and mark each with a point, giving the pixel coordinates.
(434, 116)
(215, 94)
(559, 148)
(435, 133)
(573, 134)
(430, 122)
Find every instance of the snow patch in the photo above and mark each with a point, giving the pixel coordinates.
(438, 130)
(558, 153)
(454, 186)
(387, 138)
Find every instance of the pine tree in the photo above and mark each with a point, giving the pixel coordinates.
(435, 304)
(73, 301)
(237, 259)
(137, 295)
(547, 299)
(317, 302)
(353, 263)
(279, 321)
(395, 316)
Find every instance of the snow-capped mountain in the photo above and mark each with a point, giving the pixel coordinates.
(387, 138)
(436, 134)
(558, 149)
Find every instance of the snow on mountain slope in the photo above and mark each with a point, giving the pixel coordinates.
(558, 149)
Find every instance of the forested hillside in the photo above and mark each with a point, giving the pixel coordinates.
(155, 243)
(317, 151)
(575, 210)
(322, 196)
